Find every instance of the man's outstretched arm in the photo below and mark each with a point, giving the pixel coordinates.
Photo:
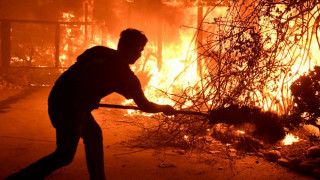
(147, 106)
(131, 89)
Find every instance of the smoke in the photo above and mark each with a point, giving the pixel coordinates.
(169, 14)
(146, 15)
(28, 10)
(46, 10)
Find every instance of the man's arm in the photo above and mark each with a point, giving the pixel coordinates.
(147, 106)
(131, 89)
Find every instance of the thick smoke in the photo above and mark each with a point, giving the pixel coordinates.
(45, 10)
(146, 15)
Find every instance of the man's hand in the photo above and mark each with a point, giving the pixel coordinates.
(167, 110)
(150, 107)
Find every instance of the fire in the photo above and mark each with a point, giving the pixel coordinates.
(67, 16)
(306, 59)
(178, 66)
(177, 71)
(290, 139)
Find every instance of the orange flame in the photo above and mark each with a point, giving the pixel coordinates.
(290, 139)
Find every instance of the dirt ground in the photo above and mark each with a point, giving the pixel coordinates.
(26, 135)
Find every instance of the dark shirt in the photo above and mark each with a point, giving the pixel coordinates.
(99, 71)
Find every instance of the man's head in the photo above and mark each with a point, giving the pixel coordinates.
(131, 44)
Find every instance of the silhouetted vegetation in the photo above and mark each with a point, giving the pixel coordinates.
(306, 96)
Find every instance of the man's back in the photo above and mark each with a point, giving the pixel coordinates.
(97, 73)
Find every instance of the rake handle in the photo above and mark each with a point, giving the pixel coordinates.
(136, 108)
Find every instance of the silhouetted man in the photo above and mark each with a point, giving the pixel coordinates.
(99, 71)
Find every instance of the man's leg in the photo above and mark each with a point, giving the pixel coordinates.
(67, 142)
(92, 138)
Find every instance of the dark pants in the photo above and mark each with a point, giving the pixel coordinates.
(70, 126)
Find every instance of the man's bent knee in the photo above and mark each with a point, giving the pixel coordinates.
(64, 159)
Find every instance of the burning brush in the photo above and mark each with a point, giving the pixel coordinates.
(267, 125)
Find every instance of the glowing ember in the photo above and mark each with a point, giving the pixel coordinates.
(290, 139)
(67, 16)
(241, 132)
